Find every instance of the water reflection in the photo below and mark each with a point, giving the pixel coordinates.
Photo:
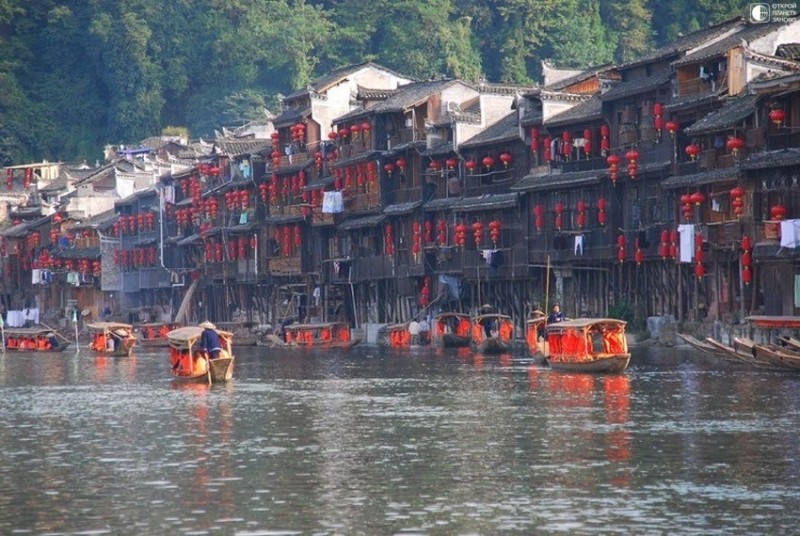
(367, 441)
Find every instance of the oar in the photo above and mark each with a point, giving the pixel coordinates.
(208, 368)
(54, 331)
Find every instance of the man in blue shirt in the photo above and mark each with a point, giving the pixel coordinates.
(556, 315)
(209, 340)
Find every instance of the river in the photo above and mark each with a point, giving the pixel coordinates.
(375, 441)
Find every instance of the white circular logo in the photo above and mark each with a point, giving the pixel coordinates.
(759, 12)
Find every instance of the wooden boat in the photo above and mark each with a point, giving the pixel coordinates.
(394, 335)
(588, 345)
(451, 330)
(705, 347)
(742, 351)
(242, 332)
(533, 327)
(154, 334)
(789, 342)
(333, 334)
(778, 355)
(493, 333)
(189, 362)
(111, 338)
(33, 340)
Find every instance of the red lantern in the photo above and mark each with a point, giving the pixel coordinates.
(389, 239)
(658, 111)
(699, 270)
(435, 165)
(548, 152)
(539, 217)
(663, 249)
(332, 135)
(388, 168)
(778, 212)
(477, 233)
(428, 231)
(639, 255)
(697, 198)
(534, 139)
(451, 163)
(488, 162)
(601, 211)
(672, 127)
(621, 248)
(471, 165)
(461, 235)
(566, 146)
(494, 231)
(777, 116)
(559, 215)
(505, 158)
(693, 150)
(581, 219)
(441, 227)
(735, 145)
(401, 164)
(613, 161)
(605, 144)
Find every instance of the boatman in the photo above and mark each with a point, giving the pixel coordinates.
(556, 315)
(209, 340)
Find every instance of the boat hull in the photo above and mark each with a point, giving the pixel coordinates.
(449, 340)
(778, 356)
(220, 370)
(494, 346)
(612, 363)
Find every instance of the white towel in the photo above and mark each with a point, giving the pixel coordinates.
(686, 242)
(790, 234)
(327, 202)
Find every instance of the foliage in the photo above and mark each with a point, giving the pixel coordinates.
(77, 75)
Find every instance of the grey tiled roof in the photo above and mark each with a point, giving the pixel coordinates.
(691, 101)
(230, 147)
(770, 159)
(789, 51)
(100, 221)
(325, 81)
(699, 179)
(284, 218)
(686, 42)
(580, 77)
(555, 181)
(360, 223)
(583, 111)
(746, 33)
(507, 128)
(442, 203)
(76, 253)
(486, 202)
(734, 110)
(291, 116)
(408, 95)
(636, 86)
(400, 209)
(439, 149)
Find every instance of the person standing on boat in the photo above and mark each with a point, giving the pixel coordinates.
(209, 340)
(556, 315)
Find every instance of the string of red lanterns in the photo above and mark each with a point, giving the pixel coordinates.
(747, 261)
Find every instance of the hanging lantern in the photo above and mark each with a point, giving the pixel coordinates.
(587, 142)
(559, 215)
(566, 146)
(441, 235)
(601, 212)
(298, 235)
(777, 116)
(505, 158)
(332, 135)
(747, 261)
(451, 163)
(697, 198)
(605, 144)
(735, 145)
(477, 233)
(613, 161)
(663, 249)
(534, 139)
(693, 150)
(672, 127)
(621, 248)
(778, 212)
(581, 218)
(401, 164)
(389, 239)
(494, 231)
(658, 112)
(461, 235)
(737, 200)
(435, 165)
(428, 231)
(538, 212)
(548, 151)
(633, 162)
(416, 239)
(471, 165)
(673, 244)
(699, 270)
(488, 162)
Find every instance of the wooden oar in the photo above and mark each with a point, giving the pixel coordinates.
(54, 331)
(208, 368)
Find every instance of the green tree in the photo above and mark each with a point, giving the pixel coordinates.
(581, 38)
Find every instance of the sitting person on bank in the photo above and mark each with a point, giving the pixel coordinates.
(210, 340)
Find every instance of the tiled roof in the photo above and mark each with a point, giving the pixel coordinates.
(284, 218)
(99, 221)
(686, 42)
(486, 202)
(291, 116)
(360, 223)
(580, 77)
(694, 100)
(244, 228)
(231, 147)
(189, 240)
(333, 77)
(16, 231)
(584, 111)
(409, 95)
(439, 149)
(441, 203)
(699, 179)
(734, 110)
(746, 33)
(504, 129)
(770, 159)
(555, 181)
(636, 86)
(76, 253)
(361, 157)
(789, 51)
(294, 168)
(400, 209)
(375, 93)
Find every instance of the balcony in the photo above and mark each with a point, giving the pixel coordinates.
(285, 266)
(700, 86)
(406, 135)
